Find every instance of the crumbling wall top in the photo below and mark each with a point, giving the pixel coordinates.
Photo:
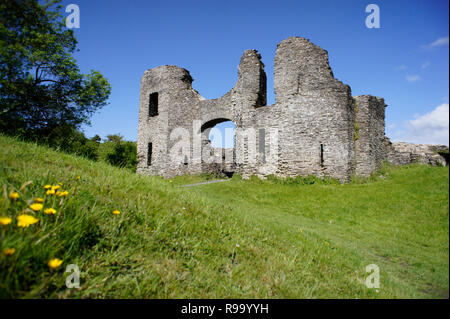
(302, 67)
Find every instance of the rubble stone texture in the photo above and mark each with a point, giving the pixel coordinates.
(315, 126)
(401, 153)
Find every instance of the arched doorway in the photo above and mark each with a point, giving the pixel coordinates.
(218, 146)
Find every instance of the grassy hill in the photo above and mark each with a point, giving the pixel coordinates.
(237, 239)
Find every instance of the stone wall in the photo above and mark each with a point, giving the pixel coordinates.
(223, 161)
(314, 127)
(313, 115)
(400, 153)
(369, 134)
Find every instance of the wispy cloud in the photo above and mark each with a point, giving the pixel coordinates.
(429, 128)
(426, 65)
(436, 43)
(412, 78)
(401, 68)
(439, 42)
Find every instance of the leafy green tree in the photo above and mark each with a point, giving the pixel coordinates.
(96, 138)
(114, 138)
(124, 154)
(41, 86)
(70, 140)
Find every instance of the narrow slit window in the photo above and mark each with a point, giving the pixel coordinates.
(321, 154)
(153, 104)
(149, 154)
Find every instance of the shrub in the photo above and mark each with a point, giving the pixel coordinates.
(70, 140)
(124, 154)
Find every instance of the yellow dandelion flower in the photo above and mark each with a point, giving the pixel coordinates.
(48, 186)
(78, 177)
(50, 211)
(36, 207)
(50, 192)
(14, 195)
(55, 187)
(38, 200)
(5, 221)
(26, 220)
(116, 212)
(62, 194)
(9, 251)
(54, 263)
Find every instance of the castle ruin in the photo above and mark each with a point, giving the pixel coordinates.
(315, 126)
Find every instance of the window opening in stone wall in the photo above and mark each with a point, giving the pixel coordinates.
(321, 155)
(149, 154)
(153, 104)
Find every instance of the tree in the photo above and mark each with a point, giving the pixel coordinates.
(114, 138)
(41, 87)
(70, 140)
(96, 138)
(124, 154)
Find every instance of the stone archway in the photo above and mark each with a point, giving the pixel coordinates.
(216, 159)
(213, 122)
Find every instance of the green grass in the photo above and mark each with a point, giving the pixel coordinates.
(294, 240)
(192, 179)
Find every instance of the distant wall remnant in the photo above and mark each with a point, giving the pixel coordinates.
(401, 153)
(315, 126)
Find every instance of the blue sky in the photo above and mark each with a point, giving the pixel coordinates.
(405, 60)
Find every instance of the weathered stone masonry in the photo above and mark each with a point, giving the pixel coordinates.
(314, 127)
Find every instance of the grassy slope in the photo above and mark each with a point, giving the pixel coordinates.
(169, 242)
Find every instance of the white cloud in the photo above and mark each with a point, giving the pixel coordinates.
(429, 128)
(426, 65)
(412, 78)
(437, 43)
(401, 68)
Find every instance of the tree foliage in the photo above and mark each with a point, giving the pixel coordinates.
(114, 138)
(70, 140)
(41, 86)
(124, 154)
